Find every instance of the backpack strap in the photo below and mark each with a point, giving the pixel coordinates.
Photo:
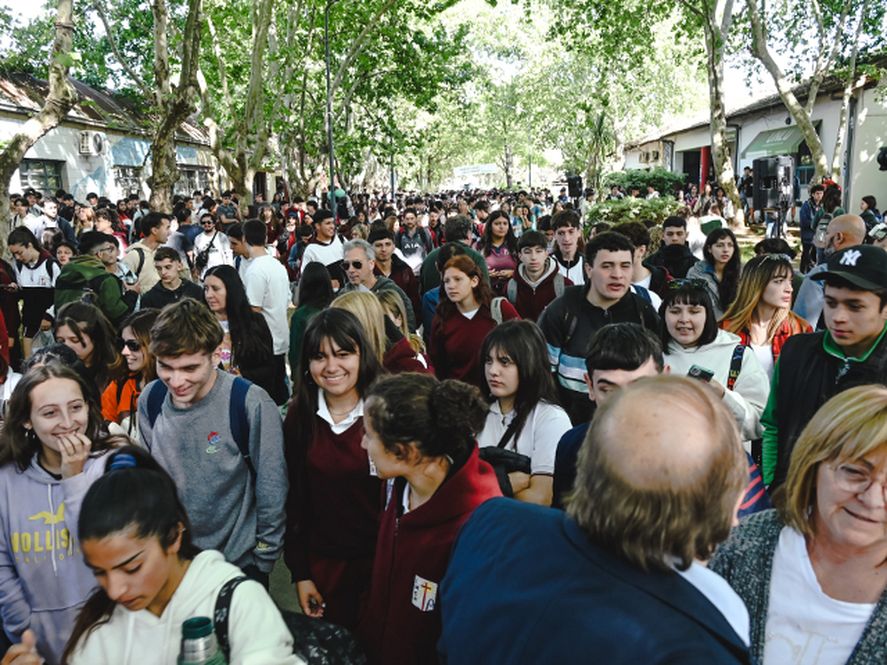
(735, 366)
(643, 292)
(222, 613)
(511, 291)
(559, 284)
(238, 421)
(155, 402)
(496, 309)
(141, 253)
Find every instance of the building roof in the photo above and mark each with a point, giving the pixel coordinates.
(22, 94)
(829, 85)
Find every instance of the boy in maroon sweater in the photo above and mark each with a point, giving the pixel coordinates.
(537, 280)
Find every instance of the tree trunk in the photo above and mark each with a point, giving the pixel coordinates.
(838, 156)
(59, 101)
(723, 161)
(761, 51)
(175, 104)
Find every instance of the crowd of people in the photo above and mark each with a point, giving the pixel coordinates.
(476, 427)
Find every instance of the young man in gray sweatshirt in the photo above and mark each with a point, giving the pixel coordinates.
(219, 437)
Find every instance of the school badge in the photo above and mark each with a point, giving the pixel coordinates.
(424, 594)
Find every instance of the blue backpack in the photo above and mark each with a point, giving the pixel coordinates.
(236, 415)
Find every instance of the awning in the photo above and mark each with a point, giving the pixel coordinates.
(782, 141)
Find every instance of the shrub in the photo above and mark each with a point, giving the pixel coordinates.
(665, 182)
(632, 210)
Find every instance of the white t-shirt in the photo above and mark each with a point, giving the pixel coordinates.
(326, 254)
(268, 286)
(219, 251)
(543, 428)
(804, 625)
(764, 352)
(721, 595)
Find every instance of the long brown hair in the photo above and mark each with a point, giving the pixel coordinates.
(141, 323)
(756, 275)
(106, 363)
(15, 443)
(482, 292)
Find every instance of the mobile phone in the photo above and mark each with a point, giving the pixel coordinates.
(700, 373)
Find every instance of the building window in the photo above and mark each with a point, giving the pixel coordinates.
(192, 178)
(43, 175)
(128, 180)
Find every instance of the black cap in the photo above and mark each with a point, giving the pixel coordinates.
(321, 215)
(863, 266)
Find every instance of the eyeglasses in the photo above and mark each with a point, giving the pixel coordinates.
(356, 264)
(106, 248)
(130, 344)
(208, 222)
(684, 283)
(856, 479)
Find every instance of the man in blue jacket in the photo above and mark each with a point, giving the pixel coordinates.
(618, 578)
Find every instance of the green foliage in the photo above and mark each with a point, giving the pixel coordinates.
(664, 181)
(632, 210)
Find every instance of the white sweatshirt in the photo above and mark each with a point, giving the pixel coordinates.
(257, 633)
(749, 395)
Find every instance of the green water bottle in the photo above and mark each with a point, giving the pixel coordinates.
(199, 644)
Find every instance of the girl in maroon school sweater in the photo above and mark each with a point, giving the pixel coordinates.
(420, 435)
(334, 502)
(462, 321)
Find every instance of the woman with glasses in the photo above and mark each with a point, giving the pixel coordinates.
(719, 269)
(761, 314)
(120, 399)
(811, 572)
(695, 346)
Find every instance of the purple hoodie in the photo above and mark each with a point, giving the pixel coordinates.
(43, 580)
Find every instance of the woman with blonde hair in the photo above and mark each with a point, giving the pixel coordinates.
(761, 313)
(395, 355)
(811, 572)
(394, 308)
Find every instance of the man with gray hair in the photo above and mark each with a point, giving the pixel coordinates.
(359, 265)
(619, 578)
(842, 232)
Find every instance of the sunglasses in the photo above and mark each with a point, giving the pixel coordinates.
(130, 344)
(682, 283)
(357, 265)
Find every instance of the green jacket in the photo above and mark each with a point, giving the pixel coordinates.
(87, 273)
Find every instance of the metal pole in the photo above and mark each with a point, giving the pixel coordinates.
(329, 110)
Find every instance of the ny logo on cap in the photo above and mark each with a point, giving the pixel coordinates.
(850, 257)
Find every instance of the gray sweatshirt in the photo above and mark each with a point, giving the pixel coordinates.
(229, 513)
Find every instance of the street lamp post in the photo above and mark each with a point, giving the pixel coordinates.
(329, 109)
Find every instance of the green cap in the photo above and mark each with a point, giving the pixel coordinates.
(195, 628)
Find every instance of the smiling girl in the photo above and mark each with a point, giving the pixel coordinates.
(690, 337)
(50, 452)
(334, 502)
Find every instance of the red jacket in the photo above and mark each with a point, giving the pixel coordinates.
(456, 342)
(531, 300)
(401, 621)
(405, 278)
(793, 325)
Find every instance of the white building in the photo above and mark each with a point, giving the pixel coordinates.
(102, 146)
(765, 128)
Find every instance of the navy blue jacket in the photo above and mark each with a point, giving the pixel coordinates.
(525, 585)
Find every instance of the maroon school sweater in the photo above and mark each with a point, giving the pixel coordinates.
(334, 503)
(530, 300)
(456, 342)
(401, 621)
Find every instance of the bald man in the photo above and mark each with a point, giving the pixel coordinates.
(842, 232)
(617, 579)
